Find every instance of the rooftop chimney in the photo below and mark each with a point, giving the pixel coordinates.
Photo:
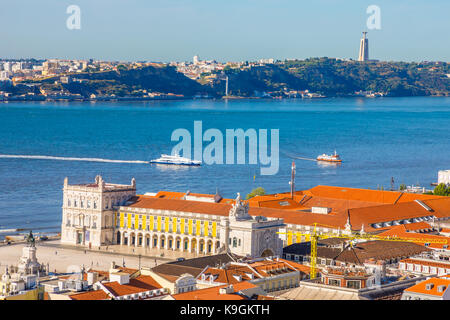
(227, 290)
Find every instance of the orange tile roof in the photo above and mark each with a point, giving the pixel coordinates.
(366, 195)
(276, 203)
(136, 285)
(214, 294)
(300, 267)
(440, 206)
(437, 264)
(422, 238)
(181, 205)
(227, 275)
(421, 286)
(91, 295)
(220, 209)
(362, 212)
(386, 213)
(416, 226)
(179, 196)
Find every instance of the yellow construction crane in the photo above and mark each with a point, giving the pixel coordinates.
(315, 236)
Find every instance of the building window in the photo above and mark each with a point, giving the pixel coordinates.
(95, 204)
(234, 242)
(75, 204)
(239, 244)
(88, 203)
(68, 203)
(354, 284)
(334, 282)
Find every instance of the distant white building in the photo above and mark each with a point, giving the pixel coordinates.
(444, 176)
(266, 61)
(4, 75)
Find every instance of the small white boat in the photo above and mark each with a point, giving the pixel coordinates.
(176, 160)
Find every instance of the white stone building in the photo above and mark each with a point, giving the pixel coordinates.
(88, 211)
(245, 235)
(444, 177)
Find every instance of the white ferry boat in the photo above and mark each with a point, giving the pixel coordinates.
(176, 160)
(329, 158)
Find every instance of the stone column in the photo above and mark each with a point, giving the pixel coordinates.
(166, 243)
(158, 243)
(197, 249)
(205, 249)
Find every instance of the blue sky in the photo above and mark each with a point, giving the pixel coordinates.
(225, 30)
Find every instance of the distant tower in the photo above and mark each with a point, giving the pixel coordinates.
(364, 48)
(195, 60)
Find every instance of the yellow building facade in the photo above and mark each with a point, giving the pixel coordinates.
(169, 230)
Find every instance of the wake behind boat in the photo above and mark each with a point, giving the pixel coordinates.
(176, 160)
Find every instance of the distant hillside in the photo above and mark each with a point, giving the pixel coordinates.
(333, 77)
(130, 82)
(329, 77)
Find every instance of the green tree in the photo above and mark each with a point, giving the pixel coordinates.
(256, 192)
(402, 187)
(442, 190)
